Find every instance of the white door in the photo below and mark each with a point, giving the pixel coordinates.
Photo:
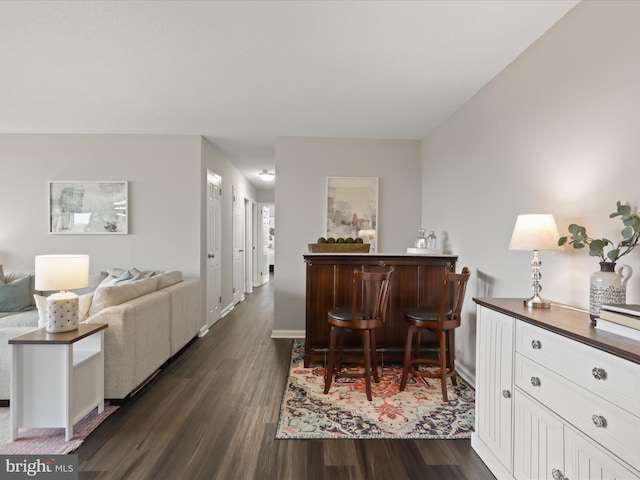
(238, 247)
(248, 256)
(264, 260)
(494, 382)
(584, 460)
(214, 198)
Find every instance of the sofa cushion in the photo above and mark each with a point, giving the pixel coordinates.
(111, 295)
(1, 274)
(167, 279)
(14, 296)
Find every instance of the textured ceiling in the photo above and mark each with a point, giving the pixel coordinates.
(242, 73)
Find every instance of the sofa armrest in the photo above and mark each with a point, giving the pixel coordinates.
(137, 341)
(186, 313)
(119, 354)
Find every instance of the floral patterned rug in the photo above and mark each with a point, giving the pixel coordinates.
(417, 413)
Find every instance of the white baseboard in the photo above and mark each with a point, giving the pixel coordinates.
(466, 374)
(287, 333)
(226, 310)
(203, 331)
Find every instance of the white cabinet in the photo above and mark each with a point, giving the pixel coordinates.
(575, 411)
(56, 378)
(494, 388)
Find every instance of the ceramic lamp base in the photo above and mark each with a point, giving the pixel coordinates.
(62, 312)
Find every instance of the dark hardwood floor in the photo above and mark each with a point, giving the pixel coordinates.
(212, 414)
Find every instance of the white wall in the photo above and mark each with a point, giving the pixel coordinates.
(164, 193)
(302, 165)
(556, 132)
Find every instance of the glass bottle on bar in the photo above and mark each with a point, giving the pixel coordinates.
(432, 241)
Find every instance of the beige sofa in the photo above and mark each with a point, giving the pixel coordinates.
(149, 320)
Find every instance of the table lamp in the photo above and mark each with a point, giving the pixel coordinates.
(535, 232)
(62, 272)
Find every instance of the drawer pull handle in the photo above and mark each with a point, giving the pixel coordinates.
(599, 373)
(506, 393)
(535, 381)
(536, 344)
(557, 474)
(599, 421)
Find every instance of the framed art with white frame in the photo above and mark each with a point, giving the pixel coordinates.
(91, 207)
(352, 208)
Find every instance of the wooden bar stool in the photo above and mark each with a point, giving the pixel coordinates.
(441, 321)
(367, 312)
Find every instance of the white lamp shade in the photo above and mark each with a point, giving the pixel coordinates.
(62, 272)
(535, 232)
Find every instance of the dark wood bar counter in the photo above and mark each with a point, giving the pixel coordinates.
(416, 282)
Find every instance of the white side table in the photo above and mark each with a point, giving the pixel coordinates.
(56, 378)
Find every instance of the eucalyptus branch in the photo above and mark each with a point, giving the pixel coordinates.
(630, 237)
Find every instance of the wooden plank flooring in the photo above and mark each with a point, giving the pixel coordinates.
(212, 412)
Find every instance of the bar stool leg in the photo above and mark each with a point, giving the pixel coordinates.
(443, 364)
(367, 361)
(451, 350)
(374, 357)
(332, 354)
(406, 365)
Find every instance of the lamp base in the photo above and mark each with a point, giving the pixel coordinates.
(536, 302)
(62, 312)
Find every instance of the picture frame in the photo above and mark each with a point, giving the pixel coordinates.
(352, 209)
(88, 207)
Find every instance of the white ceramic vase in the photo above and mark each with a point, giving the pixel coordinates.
(608, 285)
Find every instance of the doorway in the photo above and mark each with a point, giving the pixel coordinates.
(238, 246)
(214, 221)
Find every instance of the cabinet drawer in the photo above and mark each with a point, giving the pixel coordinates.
(612, 378)
(605, 423)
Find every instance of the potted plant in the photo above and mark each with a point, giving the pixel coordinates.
(607, 285)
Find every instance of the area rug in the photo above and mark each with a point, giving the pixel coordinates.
(345, 413)
(50, 441)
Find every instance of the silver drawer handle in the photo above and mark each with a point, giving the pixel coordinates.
(599, 421)
(599, 373)
(536, 344)
(535, 381)
(557, 474)
(506, 393)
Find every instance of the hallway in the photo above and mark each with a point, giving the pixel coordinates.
(212, 414)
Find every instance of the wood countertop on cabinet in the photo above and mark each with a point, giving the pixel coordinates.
(568, 322)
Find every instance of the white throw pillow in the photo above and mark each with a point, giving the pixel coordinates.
(41, 305)
(84, 305)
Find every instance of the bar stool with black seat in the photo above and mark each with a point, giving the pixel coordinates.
(367, 312)
(440, 320)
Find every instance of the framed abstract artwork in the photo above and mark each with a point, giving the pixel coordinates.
(352, 208)
(88, 207)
